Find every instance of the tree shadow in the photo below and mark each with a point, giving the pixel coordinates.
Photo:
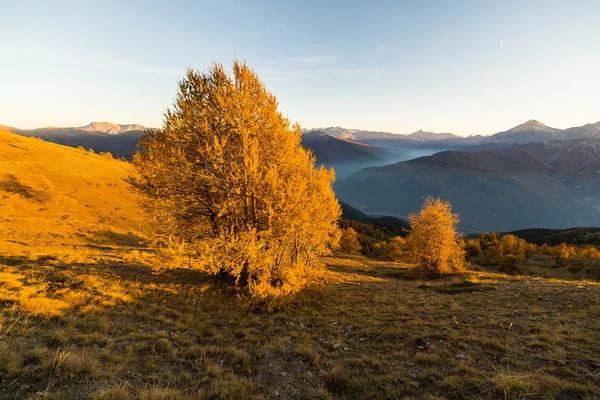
(458, 287)
(125, 271)
(120, 239)
(362, 265)
(13, 261)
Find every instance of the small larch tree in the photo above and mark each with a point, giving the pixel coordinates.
(349, 242)
(433, 242)
(511, 251)
(561, 252)
(230, 188)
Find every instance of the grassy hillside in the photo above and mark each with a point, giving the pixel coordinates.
(59, 198)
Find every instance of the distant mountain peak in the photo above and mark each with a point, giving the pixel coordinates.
(532, 125)
(110, 128)
(347, 135)
(527, 132)
(427, 135)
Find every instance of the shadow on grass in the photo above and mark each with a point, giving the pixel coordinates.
(458, 287)
(120, 239)
(369, 267)
(62, 274)
(116, 265)
(13, 261)
(406, 274)
(12, 185)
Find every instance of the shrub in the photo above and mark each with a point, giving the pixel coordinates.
(433, 242)
(349, 241)
(396, 248)
(473, 248)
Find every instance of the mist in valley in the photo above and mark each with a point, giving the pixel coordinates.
(391, 156)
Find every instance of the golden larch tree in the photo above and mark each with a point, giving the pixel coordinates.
(349, 242)
(433, 242)
(230, 188)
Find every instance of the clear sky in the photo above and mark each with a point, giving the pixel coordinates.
(446, 66)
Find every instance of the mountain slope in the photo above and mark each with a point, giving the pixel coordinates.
(6, 128)
(329, 149)
(119, 145)
(546, 185)
(391, 225)
(530, 131)
(584, 131)
(534, 131)
(119, 140)
(62, 196)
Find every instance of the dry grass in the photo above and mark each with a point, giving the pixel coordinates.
(127, 333)
(581, 269)
(53, 196)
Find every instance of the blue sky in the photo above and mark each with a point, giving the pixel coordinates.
(397, 66)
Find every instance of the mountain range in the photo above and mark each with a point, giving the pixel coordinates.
(93, 127)
(528, 132)
(119, 140)
(387, 139)
(531, 175)
(534, 131)
(554, 184)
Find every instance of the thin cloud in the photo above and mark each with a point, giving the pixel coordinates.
(275, 74)
(95, 60)
(314, 60)
(112, 64)
(355, 71)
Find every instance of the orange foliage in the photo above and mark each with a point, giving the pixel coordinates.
(232, 190)
(433, 241)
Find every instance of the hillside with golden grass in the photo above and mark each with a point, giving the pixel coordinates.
(66, 199)
(83, 316)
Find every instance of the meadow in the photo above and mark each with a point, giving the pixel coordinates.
(108, 328)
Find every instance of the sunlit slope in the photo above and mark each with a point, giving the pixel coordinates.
(57, 196)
